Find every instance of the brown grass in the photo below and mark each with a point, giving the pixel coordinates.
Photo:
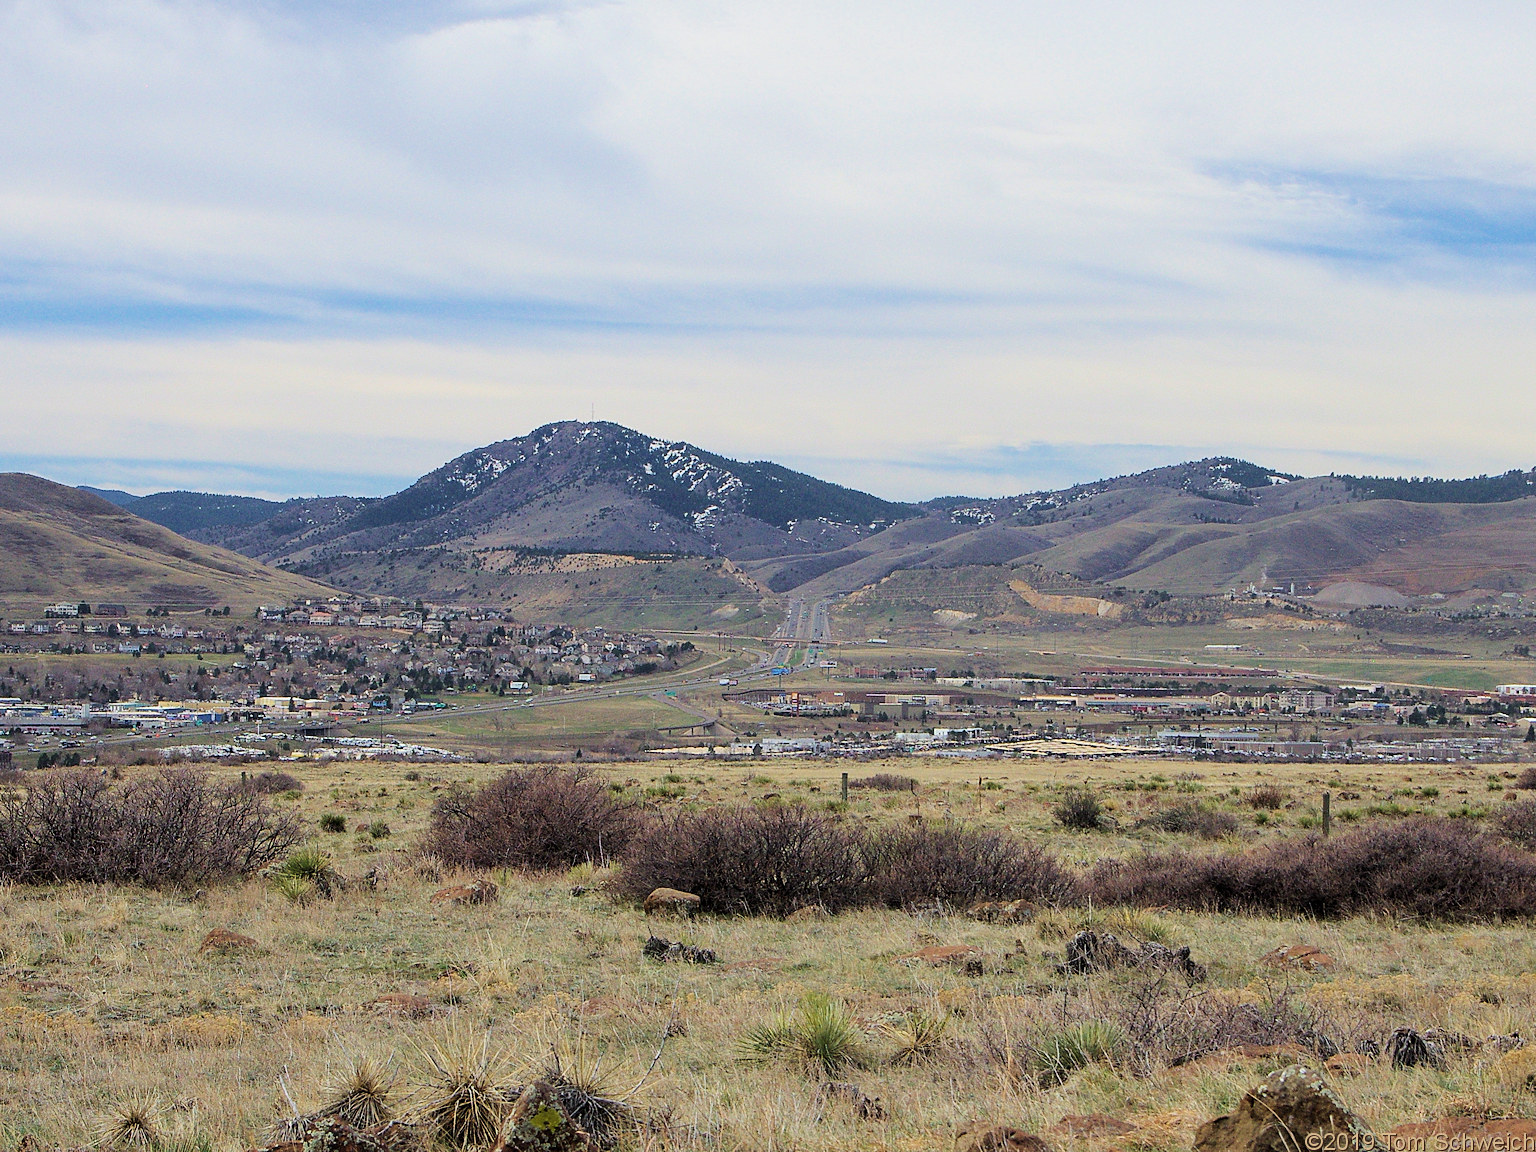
(104, 999)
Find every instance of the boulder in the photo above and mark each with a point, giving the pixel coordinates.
(1409, 1049)
(1304, 957)
(1091, 951)
(664, 950)
(671, 900)
(1280, 1113)
(475, 892)
(998, 1138)
(538, 1123)
(223, 941)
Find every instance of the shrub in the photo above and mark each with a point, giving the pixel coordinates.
(1079, 809)
(1266, 797)
(1517, 822)
(1169, 1022)
(885, 782)
(1432, 867)
(379, 829)
(1527, 779)
(919, 1035)
(540, 818)
(1191, 819)
(956, 865)
(1061, 1053)
(176, 827)
(764, 861)
(305, 873)
(467, 1089)
(823, 1040)
(363, 1094)
(272, 783)
(333, 822)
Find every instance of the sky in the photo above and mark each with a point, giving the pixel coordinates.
(307, 248)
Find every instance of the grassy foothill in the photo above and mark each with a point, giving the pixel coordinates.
(117, 1023)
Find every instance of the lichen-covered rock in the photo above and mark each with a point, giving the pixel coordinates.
(330, 1134)
(666, 951)
(1280, 1113)
(1002, 1138)
(537, 1123)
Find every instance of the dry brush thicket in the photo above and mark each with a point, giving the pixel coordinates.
(174, 827)
(774, 859)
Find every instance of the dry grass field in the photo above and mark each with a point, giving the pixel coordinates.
(108, 1004)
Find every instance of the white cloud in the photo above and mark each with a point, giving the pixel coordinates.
(846, 233)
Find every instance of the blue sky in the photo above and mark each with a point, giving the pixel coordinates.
(301, 248)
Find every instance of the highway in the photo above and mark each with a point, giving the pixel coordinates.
(807, 623)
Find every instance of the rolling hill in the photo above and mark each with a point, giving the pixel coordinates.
(63, 544)
(184, 512)
(575, 487)
(478, 525)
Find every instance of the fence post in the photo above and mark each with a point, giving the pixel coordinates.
(845, 787)
(1327, 813)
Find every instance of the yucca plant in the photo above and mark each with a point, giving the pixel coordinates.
(466, 1093)
(1063, 1052)
(299, 877)
(775, 1039)
(823, 1038)
(362, 1094)
(919, 1035)
(588, 1091)
(297, 889)
(308, 862)
(134, 1124)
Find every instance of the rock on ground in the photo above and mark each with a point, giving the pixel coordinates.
(537, 1123)
(224, 940)
(1091, 951)
(1279, 1114)
(660, 948)
(1002, 1138)
(672, 900)
(475, 892)
(1298, 956)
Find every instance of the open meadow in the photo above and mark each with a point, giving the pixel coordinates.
(871, 1027)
